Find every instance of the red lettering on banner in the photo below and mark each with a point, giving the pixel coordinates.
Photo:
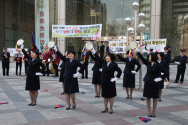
(67, 28)
(42, 21)
(42, 42)
(64, 32)
(68, 31)
(78, 31)
(41, 28)
(41, 14)
(41, 35)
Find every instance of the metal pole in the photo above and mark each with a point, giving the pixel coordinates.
(135, 23)
(140, 71)
(127, 42)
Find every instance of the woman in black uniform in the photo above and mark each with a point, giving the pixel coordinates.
(129, 73)
(61, 78)
(108, 80)
(70, 76)
(97, 69)
(151, 80)
(33, 72)
(163, 63)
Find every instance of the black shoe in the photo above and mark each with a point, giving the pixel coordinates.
(153, 115)
(159, 100)
(62, 93)
(74, 106)
(56, 76)
(17, 74)
(175, 81)
(111, 112)
(96, 96)
(3, 75)
(30, 104)
(127, 97)
(105, 111)
(86, 77)
(82, 78)
(149, 115)
(181, 81)
(33, 104)
(7, 75)
(68, 107)
(20, 74)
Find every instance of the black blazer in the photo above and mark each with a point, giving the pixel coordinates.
(5, 60)
(166, 58)
(163, 64)
(182, 61)
(169, 52)
(108, 72)
(129, 65)
(152, 71)
(33, 66)
(97, 65)
(70, 68)
(101, 48)
(107, 49)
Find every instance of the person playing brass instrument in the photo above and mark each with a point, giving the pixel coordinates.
(47, 58)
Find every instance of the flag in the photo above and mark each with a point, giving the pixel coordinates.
(144, 119)
(45, 50)
(16, 46)
(59, 106)
(83, 55)
(142, 45)
(82, 92)
(33, 46)
(3, 103)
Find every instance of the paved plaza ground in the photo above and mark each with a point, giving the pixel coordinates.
(173, 110)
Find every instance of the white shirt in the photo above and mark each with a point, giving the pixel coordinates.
(182, 55)
(130, 59)
(152, 64)
(159, 61)
(108, 64)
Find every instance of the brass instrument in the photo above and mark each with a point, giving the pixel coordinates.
(52, 69)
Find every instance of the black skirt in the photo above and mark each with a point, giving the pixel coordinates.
(32, 82)
(61, 78)
(71, 86)
(129, 81)
(96, 78)
(161, 84)
(109, 90)
(151, 90)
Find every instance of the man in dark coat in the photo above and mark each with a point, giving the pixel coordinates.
(181, 61)
(169, 52)
(18, 58)
(85, 63)
(101, 49)
(166, 58)
(5, 61)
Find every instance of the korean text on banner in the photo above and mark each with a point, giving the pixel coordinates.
(94, 30)
(13, 51)
(119, 45)
(41, 22)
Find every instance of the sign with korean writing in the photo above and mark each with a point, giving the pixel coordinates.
(42, 22)
(119, 45)
(94, 30)
(13, 51)
(156, 44)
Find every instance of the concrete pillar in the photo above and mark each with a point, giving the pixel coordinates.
(61, 20)
(155, 20)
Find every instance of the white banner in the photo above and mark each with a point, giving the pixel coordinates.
(13, 51)
(42, 23)
(94, 30)
(156, 44)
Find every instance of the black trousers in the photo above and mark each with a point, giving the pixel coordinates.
(56, 69)
(168, 73)
(20, 65)
(26, 64)
(180, 72)
(5, 66)
(86, 71)
(48, 70)
(102, 54)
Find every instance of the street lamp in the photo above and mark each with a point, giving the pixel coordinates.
(141, 28)
(135, 6)
(128, 21)
(131, 32)
(141, 16)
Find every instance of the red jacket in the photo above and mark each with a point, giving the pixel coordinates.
(46, 57)
(57, 59)
(25, 59)
(18, 58)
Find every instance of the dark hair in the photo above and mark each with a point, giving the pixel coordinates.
(161, 54)
(72, 51)
(112, 56)
(36, 52)
(154, 57)
(5, 48)
(99, 52)
(128, 52)
(66, 51)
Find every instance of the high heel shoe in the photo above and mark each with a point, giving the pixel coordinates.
(34, 104)
(68, 107)
(111, 112)
(30, 104)
(105, 111)
(74, 106)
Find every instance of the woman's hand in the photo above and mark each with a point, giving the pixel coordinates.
(137, 50)
(22, 46)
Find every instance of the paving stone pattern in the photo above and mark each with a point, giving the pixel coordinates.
(173, 110)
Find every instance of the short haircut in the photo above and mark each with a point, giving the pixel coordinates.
(5, 48)
(36, 52)
(72, 51)
(154, 57)
(161, 54)
(99, 52)
(128, 52)
(112, 56)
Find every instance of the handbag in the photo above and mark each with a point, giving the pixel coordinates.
(166, 83)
